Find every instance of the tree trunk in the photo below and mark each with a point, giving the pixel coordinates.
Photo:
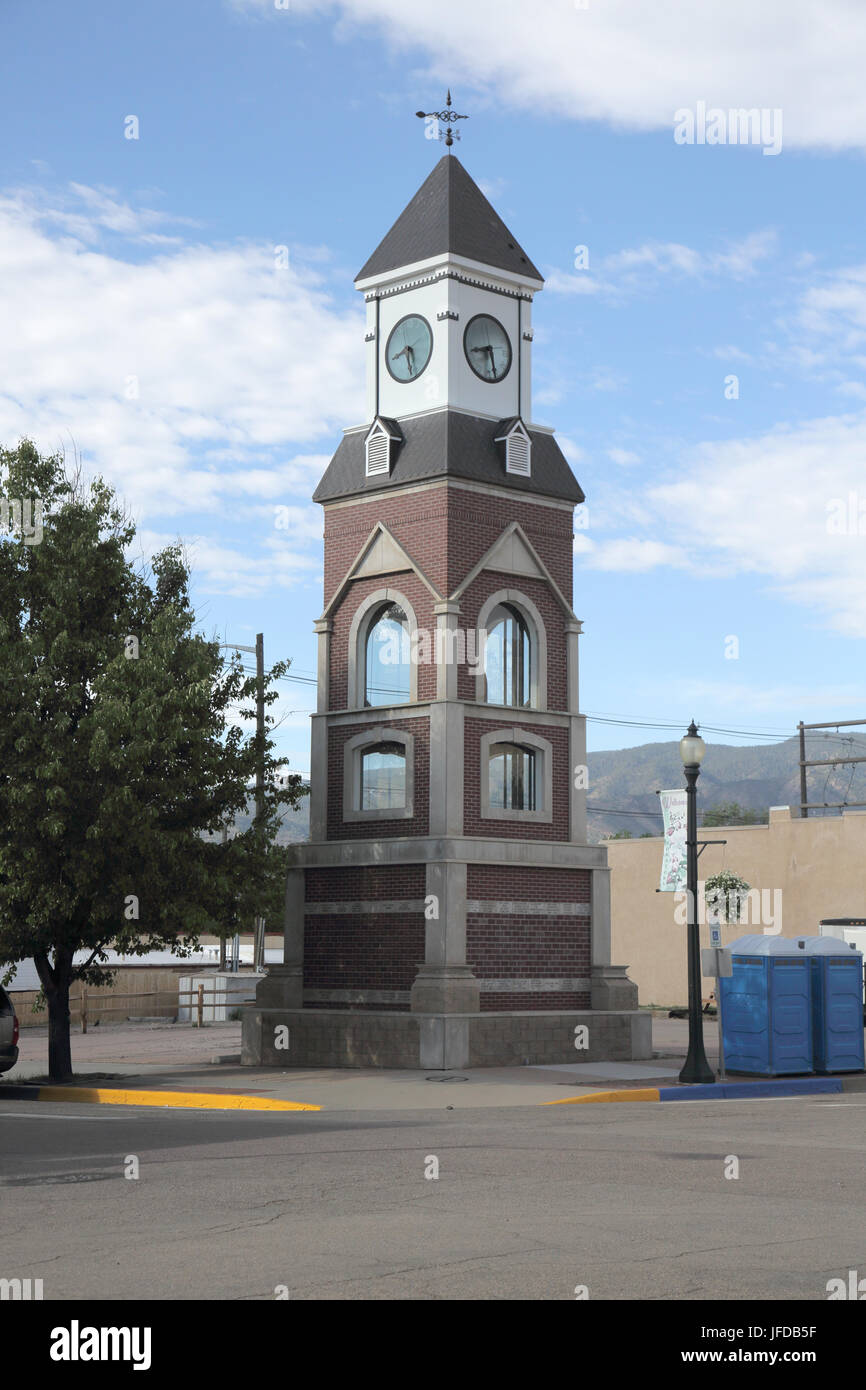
(56, 980)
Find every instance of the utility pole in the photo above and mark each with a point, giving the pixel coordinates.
(840, 761)
(259, 651)
(225, 836)
(804, 809)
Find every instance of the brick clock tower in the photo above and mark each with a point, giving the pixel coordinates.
(448, 910)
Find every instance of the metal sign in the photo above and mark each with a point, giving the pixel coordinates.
(716, 964)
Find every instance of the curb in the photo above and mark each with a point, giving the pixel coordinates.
(186, 1100)
(721, 1090)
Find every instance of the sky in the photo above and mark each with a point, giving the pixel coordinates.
(188, 188)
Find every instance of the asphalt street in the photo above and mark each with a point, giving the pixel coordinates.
(630, 1201)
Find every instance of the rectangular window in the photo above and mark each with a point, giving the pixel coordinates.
(383, 777)
(512, 778)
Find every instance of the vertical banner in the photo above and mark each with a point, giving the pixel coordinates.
(673, 804)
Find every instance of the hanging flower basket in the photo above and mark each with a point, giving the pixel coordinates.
(725, 894)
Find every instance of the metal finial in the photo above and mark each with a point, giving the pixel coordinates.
(448, 118)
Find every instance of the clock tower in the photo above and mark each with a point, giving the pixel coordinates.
(448, 910)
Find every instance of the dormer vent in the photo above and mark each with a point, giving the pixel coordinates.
(381, 444)
(518, 447)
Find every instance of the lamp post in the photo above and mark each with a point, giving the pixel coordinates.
(696, 1068)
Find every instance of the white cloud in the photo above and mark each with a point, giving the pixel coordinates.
(624, 457)
(632, 66)
(834, 310)
(641, 268)
(220, 568)
(630, 554)
(785, 506)
(187, 376)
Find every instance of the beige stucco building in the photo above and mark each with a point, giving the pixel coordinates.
(805, 870)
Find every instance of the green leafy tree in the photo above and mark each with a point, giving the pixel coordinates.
(732, 813)
(121, 754)
(620, 835)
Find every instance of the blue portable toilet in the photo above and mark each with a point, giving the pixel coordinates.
(837, 1008)
(766, 1006)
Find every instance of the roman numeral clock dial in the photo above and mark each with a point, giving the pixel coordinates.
(408, 348)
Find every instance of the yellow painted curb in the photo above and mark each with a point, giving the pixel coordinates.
(188, 1100)
(650, 1093)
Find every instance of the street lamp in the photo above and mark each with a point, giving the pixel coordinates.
(696, 1068)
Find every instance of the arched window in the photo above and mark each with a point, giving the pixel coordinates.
(508, 658)
(379, 775)
(383, 777)
(512, 777)
(387, 669)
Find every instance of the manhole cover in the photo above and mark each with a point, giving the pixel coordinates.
(446, 1078)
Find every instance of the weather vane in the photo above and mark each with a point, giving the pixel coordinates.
(447, 117)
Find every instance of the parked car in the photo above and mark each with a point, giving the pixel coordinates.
(8, 1032)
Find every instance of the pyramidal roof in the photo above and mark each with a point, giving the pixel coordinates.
(449, 213)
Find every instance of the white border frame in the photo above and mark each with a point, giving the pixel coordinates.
(538, 643)
(352, 751)
(543, 775)
(358, 632)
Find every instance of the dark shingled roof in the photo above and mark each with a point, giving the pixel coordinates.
(449, 213)
(447, 444)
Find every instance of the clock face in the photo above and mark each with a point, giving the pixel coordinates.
(487, 348)
(408, 348)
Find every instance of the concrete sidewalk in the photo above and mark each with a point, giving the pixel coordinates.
(176, 1057)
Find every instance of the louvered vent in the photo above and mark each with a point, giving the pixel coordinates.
(378, 453)
(517, 454)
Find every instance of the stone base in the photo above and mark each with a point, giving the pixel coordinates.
(436, 1042)
(611, 988)
(444, 989)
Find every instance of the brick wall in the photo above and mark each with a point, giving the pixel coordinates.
(363, 951)
(527, 945)
(418, 521)
(447, 530)
(365, 882)
(475, 521)
(500, 882)
(473, 824)
(512, 1003)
